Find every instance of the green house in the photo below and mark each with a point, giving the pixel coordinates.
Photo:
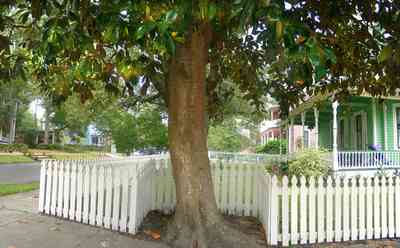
(362, 132)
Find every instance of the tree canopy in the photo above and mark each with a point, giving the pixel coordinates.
(180, 53)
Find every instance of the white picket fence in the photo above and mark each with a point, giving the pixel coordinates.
(332, 209)
(117, 194)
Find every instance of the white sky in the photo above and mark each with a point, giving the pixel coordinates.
(35, 106)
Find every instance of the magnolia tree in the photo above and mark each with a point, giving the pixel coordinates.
(180, 54)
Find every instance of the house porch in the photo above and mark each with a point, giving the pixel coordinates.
(350, 129)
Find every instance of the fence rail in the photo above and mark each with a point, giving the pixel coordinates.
(352, 160)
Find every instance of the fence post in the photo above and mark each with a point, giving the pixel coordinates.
(42, 189)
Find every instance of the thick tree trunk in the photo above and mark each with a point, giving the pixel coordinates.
(197, 222)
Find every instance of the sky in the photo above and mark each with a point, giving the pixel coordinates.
(36, 107)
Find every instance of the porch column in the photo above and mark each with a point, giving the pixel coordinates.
(385, 136)
(374, 122)
(335, 105)
(303, 120)
(316, 117)
(290, 136)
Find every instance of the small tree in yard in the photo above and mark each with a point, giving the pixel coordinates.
(178, 53)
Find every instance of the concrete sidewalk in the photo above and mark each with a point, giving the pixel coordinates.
(21, 227)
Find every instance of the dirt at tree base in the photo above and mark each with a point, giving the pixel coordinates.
(155, 223)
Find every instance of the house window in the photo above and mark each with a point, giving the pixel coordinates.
(359, 132)
(306, 138)
(341, 134)
(398, 126)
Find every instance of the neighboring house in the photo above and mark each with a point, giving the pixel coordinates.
(3, 138)
(94, 137)
(353, 128)
(271, 129)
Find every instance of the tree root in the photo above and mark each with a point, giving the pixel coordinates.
(219, 234)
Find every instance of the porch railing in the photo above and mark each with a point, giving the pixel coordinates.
(350, 160)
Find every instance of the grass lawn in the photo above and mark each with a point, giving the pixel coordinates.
(12, 159)
(9, 189)
(63, 155)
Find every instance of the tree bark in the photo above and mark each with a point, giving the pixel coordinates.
(197, 222)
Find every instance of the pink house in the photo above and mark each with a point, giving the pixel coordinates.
(301, 136)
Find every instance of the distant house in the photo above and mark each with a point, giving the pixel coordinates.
(302, 136)
(3, 136)
(94, 137)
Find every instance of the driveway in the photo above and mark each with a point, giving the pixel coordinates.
(19, 173)
(22, 227)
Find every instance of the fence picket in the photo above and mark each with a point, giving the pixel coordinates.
(67, 178)
(303, 211)
(391, 208)
(346, 211)
(320, 211)
(100, 195)
(384, 214)
(274, 224)
(49, 180)
(79, 191)
(86, 193)
(124, 201)
(285, 211)
(338, 209)
(55, 188)
(361, 208)
(376, 214)
(354, 209)
(60, 193)
(93, 195)
(42, 187)
(397, 205)
(294, 211)
(312, 211)
(232, 188)
(329, 210)
(370, 208)
(72, 207)
(248, 194)
(116, 195)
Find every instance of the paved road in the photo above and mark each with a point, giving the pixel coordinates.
(19, 173)
(22, 227)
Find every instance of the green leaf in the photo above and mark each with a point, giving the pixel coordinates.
(330, 55)
(144, 29)
(212, 11)
(385, 53)
(320, 72)
(171, 16)
(170, 44)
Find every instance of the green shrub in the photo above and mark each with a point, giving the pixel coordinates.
(273, 147)
(309, 162)
(14, 148)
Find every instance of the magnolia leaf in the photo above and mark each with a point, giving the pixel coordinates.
(171, 16)
(144, 29)
(279, 30)
(212, 11)
(385, 53)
